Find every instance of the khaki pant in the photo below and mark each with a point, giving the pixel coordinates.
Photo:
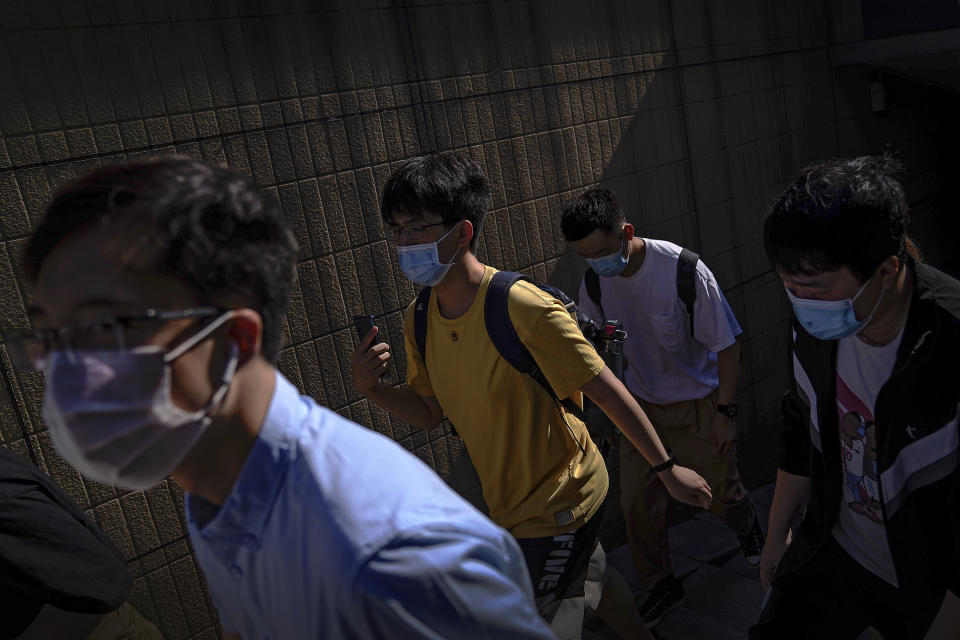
(125, 623)
(685, 428)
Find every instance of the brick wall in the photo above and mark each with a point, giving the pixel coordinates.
(694, 112)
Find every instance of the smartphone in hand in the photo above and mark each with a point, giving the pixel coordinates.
(364, 324)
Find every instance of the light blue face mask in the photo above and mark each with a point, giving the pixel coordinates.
(611, 265)
(421, 264)
(831, 319)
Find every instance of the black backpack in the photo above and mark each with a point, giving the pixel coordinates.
(686, 283)
(502, 332)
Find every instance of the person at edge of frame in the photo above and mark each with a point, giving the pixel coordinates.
(159, 297)
(682, 370)
(869, 434)
(542, 477)
(60, 575)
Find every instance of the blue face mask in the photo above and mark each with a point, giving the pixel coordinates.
(420, 262)
(611, 265)
(830, 319)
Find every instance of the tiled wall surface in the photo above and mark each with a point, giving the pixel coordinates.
(695, 112)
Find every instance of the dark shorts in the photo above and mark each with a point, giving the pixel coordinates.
(568, 572)
(834, 598)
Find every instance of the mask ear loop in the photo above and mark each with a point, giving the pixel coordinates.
(228, 372)
(452, 259)
(198, 337)
(866, 320)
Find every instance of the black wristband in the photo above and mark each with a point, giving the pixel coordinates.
(663, 466)
(730, 409)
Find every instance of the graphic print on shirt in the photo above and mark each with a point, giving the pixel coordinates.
(858, 449)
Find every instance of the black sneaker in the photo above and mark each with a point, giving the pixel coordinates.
(752, 543)
(666, 596)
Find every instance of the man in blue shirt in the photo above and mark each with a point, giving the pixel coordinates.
(160, 289)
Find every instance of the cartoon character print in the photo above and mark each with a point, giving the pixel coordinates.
(858, 447)
(852, 440)
(869, 489)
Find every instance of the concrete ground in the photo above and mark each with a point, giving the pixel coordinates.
(723, 592)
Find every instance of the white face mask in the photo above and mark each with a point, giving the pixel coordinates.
(110, 414)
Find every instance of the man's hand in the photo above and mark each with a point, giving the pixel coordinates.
(724, 433)
(687, 486)
(773, 550)
(369, 363)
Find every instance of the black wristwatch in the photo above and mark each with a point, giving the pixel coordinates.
(663, 466)
(729, 410)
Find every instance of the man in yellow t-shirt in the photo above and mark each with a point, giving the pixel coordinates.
(542, 477)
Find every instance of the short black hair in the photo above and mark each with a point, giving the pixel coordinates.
(591, 210)
(211, 227)
(446, 184)
(838, 213)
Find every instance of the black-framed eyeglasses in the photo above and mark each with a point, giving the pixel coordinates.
(410, 234)
(29, 348)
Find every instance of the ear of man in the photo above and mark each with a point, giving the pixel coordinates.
(889, 271)
(245, 329)
(465, 234)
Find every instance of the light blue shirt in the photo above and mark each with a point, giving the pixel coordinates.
(335, 531)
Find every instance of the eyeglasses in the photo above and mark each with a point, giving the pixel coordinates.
(29, 348)
(410, 234)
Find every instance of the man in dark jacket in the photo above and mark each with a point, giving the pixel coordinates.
(870, 433)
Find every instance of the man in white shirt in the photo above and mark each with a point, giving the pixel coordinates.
(683, 360)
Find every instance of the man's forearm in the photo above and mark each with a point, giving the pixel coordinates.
(728, 372)
(608, 393)
(791, 491)
(406, 405)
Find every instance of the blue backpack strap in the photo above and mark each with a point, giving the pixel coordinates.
(496, 316)
(420, 322)
(503, 335)
(687, 281)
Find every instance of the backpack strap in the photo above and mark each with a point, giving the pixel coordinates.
(503, 335)
(420, 322)
(592, 282)
(496, 316)
(687, 281)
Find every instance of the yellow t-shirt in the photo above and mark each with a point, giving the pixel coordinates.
(535, 479)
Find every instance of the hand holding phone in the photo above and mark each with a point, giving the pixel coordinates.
(369, 361)
(364, 324)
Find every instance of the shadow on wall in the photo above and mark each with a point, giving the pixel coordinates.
(638, 144)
